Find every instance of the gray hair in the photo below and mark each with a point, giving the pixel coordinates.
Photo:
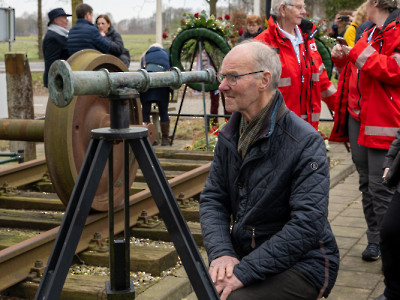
(276, 4)
(389, 5)
(266, 59)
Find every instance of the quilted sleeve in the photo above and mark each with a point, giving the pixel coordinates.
(215, 210)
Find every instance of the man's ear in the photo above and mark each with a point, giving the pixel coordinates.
(282, 10)
(265, 80)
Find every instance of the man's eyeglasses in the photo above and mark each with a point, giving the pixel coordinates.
(101, 23)
(232, 79)
(298, 7)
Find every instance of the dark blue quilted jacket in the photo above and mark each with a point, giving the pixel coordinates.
(85, 35)
(156, 60)
(278, 199)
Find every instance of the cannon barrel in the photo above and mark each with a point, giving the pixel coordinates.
(64, 83)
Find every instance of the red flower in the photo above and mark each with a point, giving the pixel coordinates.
(196, 15)
(164, 35)
(232, 36)
(241, 31)
(220, 18)
(227, 17)
(234, 41)
(183, 21)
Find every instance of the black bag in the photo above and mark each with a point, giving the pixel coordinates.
(393, 175)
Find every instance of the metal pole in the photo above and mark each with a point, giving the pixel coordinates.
(204, 96)
(256, 7)
(267, 9)
(64, 83)
(159, 22)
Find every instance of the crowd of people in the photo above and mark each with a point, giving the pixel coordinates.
(264, 208)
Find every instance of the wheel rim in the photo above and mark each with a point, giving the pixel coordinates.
(68, 133)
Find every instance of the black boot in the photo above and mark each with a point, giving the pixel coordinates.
(165, 141)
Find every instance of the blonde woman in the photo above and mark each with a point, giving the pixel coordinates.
(359, 17)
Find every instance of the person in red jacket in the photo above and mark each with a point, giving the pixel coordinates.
(304, 81)
(367, 109)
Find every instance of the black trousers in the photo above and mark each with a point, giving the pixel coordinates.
(288, 285)
(390, 247)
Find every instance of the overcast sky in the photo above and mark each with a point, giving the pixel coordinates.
(119, 9)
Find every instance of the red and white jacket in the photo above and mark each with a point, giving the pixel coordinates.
(369, 86)
(303, 85)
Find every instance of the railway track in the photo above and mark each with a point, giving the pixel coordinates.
(30, 218)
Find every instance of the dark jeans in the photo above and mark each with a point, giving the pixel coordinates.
(162, 109)
(288, 285)
(390, 247)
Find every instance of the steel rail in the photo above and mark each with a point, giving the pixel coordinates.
(23, 173)
(16, 261)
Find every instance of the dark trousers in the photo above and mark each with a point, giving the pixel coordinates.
(214, 107)
(375, 196)
(288, 285)
(390, 247)
(162, 109)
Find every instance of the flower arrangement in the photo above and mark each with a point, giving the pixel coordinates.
(220, 25)
(322, 34)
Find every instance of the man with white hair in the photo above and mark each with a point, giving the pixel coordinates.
(304, 81)
(270, 176)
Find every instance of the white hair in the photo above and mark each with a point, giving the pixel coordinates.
(276, 4)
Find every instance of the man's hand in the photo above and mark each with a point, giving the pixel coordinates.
(222, 266)
(337, 51)
(227, 286)
(221, 272)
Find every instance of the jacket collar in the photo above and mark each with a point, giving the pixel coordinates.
(307, 28)
(394, 16)
(277, 111)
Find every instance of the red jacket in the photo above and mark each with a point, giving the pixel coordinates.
(302, 86)
(377, 104)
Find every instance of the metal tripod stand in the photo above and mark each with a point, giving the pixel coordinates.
(100, 151)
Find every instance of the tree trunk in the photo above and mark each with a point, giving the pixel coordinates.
(40, 29)
(20, 97)
(213, 7)
(74, 4)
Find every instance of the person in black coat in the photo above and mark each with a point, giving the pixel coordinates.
(264, 207)
(55, 41)
(84, 35)
(390, 232)
(156, 59)
(117, 48)
(254, 27)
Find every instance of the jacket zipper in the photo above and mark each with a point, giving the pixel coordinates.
(253, 233)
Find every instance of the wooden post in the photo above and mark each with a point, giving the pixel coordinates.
(20, 97)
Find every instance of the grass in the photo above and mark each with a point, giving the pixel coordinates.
(137, 44)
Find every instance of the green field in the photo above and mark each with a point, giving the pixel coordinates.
(136, 43)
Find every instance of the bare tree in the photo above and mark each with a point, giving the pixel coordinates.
(74, 4)
(213, 7)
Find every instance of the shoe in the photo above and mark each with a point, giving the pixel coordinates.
(381, 297)
(372, 252)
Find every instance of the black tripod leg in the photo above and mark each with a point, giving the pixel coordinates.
(74, 220)
(172, 216)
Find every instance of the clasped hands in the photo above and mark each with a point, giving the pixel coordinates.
(338, 51)
(221, 272)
